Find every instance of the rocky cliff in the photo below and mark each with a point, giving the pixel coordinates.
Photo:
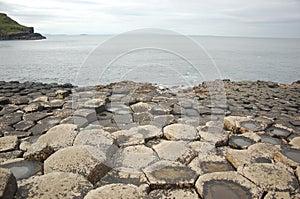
(12, 30)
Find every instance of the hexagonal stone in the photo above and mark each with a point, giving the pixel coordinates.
(112, 191)
(84, 160)
(36, 116)
(59, 136)
(174, 150)
(8, 143)
(163, 120)
(54, 185)
(280, 131)
(4, 100)
(143, 118)
(256, 153)
(10, 119)
(89, 114)
(136, 157)
(97, 104)
(289, 157)
(61, 94)
(180, 132)
(165, 174)
(173, 193)
(8, 184)
(56, 103)
(136, 135)
(123, 175)
(226, 185)
(4, 156)
(38, 152)
(240, 142)
(44, 125)
(270, 177)
(21, 168)
(210, 164)
(23, 125)
(33, 107)
(140, 107)
(96, 138)
(238, 124)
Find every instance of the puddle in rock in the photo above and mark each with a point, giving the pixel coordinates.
(252, 125)
(216, 189)
(293, 154)
(23, 169)
(279, 132)
(240, 142)
(210, 167)
(271, 140)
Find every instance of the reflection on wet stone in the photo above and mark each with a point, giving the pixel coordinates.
(216, 189)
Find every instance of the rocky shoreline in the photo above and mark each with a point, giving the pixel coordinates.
(220, 139)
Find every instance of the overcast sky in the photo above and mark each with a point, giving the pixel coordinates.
(258, 18)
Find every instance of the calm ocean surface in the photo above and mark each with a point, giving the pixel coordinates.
(61, 59)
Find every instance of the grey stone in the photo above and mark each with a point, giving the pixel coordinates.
(140, 107)
(143, 118)
(38, 152)
(59, 136)
(136, 157)
(84, 160)
(8, 184)
(4, 100)
(180, 132)
(54, 185)
(276, 195)
(112, 191)
(89, 114)
(226, 184)
(21, 168)
(8, 143)
(174, 193)
(36, 116)
(33, 107)
(4, 156)
(61, 94)
(165, 174)
(270, 177)
(23, 125)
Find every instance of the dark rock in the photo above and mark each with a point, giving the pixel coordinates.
(4, 101)
(8, 184)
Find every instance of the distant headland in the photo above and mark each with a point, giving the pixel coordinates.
(12, 30)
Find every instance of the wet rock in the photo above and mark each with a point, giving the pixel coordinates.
(259, 152)
(226, 185)
(123, 175)
(270, 177)
(4, 156)
(22, 168)
(279, 131)
(23, 125)
(38, 152)
(290, 157)
(4, 100)
(44, 125)
(240, 142)
(174, 193)
(112, 191)
(210, 164)
(174, 150)
(59, 136)
(8, 184)
(164, 174)
(84, 160)
(54, 185)
(34, 117)
(8, 143)
(180, 132)
(10, 119)
(136, 157)
(268, 139)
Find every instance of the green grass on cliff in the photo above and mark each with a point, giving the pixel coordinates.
(9, 26)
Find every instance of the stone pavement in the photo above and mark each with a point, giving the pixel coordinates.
(220, 139)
